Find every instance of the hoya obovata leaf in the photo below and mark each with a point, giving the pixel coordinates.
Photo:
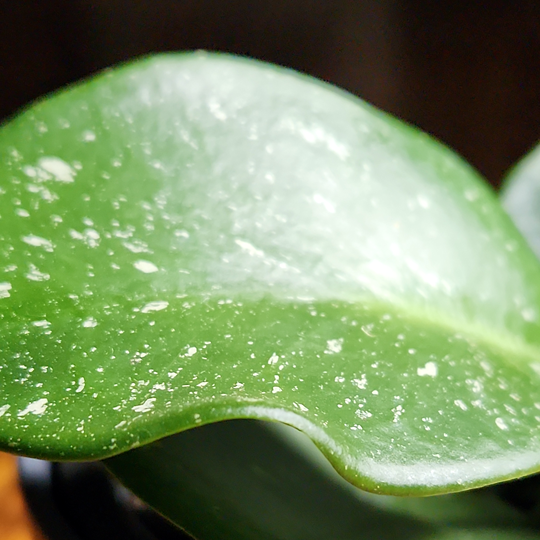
(246, 480)
(521, 198)
(194, 238)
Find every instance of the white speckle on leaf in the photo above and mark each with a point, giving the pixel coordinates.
(398, 411)
(41, 324)
(460, 404)
(145, 266)
(37, 241)
(92, 237)
(191, 351)
(501, 424)
(326, 204)
(137, 357)
(475, 385)
(276, 389)
(89, 323)
(334, 346)
(155, 306)
(368, 329)
(29, 171)
(76, 235)
(136, 246)
(317, 135)
(146, 406)
(4, 409)
(216, 110)
(60, 170)
(35, 275)
(82, 383)
(249, 248)
(363, 414)
(429, 370)
(5, 287)
(303, 408)
(360, 383)
(36, 407)
(273, 359)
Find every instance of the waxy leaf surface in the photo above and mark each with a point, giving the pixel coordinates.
(521, 197)
(194, 238)
(248, 480)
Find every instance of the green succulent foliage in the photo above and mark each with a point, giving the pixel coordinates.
(248, 480)
(194, 238)
(521, 198)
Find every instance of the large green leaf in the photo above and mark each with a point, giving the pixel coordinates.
(195, 238)
(247, 480)
(240, 480)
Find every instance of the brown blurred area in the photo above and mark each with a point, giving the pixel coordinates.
(467, 72)
(15, 523)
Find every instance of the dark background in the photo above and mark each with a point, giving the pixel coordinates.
(467, 72)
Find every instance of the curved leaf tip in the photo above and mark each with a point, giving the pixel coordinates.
(521, 197)
(195, 238)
